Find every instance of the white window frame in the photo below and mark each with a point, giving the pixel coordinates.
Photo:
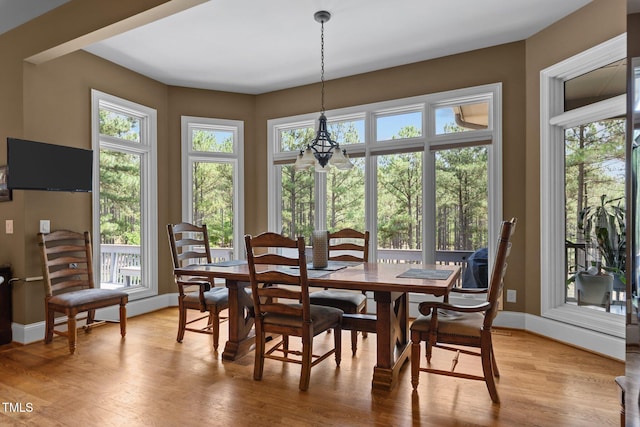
(427, 143)
(147, 149)
(235, 158)
(553, 122)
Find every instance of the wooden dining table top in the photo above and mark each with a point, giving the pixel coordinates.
(366, 276)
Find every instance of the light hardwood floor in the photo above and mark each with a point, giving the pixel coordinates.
(148, 379)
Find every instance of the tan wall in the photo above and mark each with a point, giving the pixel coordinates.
(51, 102)
(597, 22)
(200, 103)
(57, 110)
(503, 63)
(633, 35)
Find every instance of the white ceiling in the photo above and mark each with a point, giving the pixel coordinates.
(257, 46)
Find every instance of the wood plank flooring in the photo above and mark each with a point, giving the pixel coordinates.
(148, 379)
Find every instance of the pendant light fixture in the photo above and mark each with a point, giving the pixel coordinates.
(323, 151)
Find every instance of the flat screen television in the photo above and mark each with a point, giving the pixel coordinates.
(35, 165)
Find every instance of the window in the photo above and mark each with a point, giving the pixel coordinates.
(124, 195)
(461, 198)
(578, 132)
(212, 182)
(406, 186)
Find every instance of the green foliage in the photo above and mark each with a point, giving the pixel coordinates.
(461, 198)
(461, 193)
(604, 226)
(345, 194)
(213, 188)
(594, 185)
(119, 184)
(594, 165)
(400, 201)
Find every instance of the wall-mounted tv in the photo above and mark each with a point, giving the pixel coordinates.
(35, 165)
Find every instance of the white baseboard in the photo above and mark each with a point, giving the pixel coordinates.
(33, 332)
(596, 342)
(138, 307)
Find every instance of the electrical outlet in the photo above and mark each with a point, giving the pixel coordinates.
(8, 226)
(511, 295)
(45, 226)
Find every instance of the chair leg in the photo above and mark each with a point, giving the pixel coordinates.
(258, 365)
(415, 363)
(285, 345)
(49, 325)
(364, 311)
(428, 347)
(214, 321)
(72, 332)
(354, 342)
(91, 315)
(337, 342)
(496, 373)
(307, 351)
(487, 368)
(182, 321)
(123, 319)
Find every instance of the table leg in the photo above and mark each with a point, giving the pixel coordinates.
(241, 335)
(392, 332)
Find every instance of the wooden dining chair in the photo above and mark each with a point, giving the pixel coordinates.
(67, 267)
(459, 328)
(190, 245)
(280, 290)
(346, 245)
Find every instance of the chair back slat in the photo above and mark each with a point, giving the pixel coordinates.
(278, 277)
(66, 272)
(192, 257)
(268, 296)
(66, 260)
(274, 259)
(342, 241)
(499, 270)
(59, 250)
(280, 292)
(189, 244)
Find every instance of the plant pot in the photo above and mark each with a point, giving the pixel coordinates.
(594, 290)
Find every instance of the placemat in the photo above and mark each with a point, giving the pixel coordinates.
(228, 263)
(426, 273)
(331, 266)
(311, 274)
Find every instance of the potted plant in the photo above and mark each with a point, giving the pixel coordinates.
(604, 226)
(604, 231)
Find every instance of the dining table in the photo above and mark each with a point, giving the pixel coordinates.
(390, 284)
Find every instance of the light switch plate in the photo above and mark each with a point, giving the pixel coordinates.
(45, 226)
(8, 226)
(511, 295)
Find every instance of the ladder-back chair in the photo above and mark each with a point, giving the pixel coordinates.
(444, 325)
(67, 267)
(190, 245)
(280, 290)
(346, 245)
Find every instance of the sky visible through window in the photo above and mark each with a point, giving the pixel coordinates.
(387, 127)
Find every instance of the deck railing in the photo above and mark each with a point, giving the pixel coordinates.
(412, 256)
(120, 264)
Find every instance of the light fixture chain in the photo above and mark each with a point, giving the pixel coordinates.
(322, 63)
(322, 150)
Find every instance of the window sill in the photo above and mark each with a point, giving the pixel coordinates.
(598, 321)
